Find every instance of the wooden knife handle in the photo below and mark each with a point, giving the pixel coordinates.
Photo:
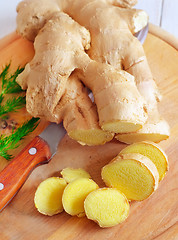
(16, 172)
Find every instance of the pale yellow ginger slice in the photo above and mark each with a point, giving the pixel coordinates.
(75, 194)
(71, 174)
(91, 137)
(155, 130)
(153, 152)
(106, 206)
(133, 174)
(48, 196)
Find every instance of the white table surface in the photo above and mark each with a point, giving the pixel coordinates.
(163, 13)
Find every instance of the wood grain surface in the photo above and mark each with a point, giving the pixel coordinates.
(163, 35)
(154, 218)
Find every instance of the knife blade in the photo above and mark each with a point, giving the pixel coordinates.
(142, 34)
(39, 151)
(52, 135)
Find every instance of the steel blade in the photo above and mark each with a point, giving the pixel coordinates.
(142, 34)
(52, 135)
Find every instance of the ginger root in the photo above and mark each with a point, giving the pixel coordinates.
(48, 196)
(62, 31)
(133, 174)
(46, 85)
(53, 92)
(124, 106)
(153, 152)
(112, 42)
(74, 195)
(155, 129)
(79, 114)
(106, 206)
(71, 174)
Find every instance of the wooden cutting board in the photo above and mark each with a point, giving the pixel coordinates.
(154, 218)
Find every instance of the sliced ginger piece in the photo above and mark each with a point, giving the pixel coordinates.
(91, 137)
(71, 174)
(130, 138)
(133, 174)
(154, 130)
(153, 152)
(75, 194)
(48, 196)
(121, 126)
(106, 206)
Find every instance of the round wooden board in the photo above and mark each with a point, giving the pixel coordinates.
(154, 218)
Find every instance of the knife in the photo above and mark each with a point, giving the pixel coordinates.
(142, 34)
(39, 151)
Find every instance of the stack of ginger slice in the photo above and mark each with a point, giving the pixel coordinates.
(134, 174)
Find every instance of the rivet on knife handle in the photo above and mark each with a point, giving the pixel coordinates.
(16, 172)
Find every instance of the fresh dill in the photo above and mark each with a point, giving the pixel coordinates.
(10, 86)
(12, 104)
(12, 141)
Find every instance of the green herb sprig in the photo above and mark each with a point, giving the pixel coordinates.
(9, 86)
(11, 142)
(12, 104)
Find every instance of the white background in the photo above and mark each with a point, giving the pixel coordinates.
(163, 13)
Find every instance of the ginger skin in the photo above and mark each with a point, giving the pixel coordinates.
(55, 94)
(122, 50)
(111, 26)
(45, 93)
